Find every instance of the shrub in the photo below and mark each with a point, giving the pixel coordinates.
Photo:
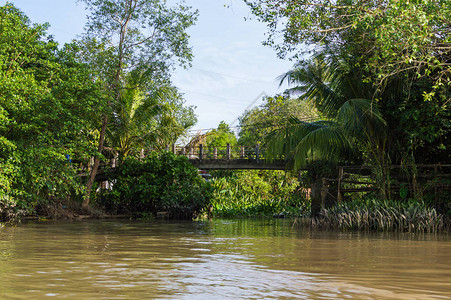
(257, 193)
(158, 183)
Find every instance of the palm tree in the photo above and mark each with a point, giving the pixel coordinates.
(351, 119)
(144, 117)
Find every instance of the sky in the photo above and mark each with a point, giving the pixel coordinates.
(231, 69)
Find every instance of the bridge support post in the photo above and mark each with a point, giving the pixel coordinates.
(215, 153)
(242, 152)
(257, 152)
(340, 178)
(228, 151)
(316, 197)
(174, 149)
(201, 151)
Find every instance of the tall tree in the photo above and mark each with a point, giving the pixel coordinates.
(47, 101)
(391, 36)
(352, 121)
(147, 117)
(127, 35)
(402, 49)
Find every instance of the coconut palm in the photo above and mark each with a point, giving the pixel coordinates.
(352, 121)
(143, 116)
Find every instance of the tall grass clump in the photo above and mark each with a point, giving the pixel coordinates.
(257, 193)
(379, 215)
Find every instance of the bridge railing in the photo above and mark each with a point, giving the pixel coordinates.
(228, 152)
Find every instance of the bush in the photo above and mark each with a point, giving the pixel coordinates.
(158, 183)
(257, 193)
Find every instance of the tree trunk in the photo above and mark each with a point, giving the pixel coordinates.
(92, 177)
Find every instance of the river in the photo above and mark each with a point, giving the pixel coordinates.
(219, 259)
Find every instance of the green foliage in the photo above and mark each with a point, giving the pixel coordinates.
(257, 193)
(395, 53)
(143, 34)
(258, 123)
(221, 136)
(133, 45)
(147, 117)
(158, 183)
(47, 104)
(391, 36)
(373, 214)
(353, 124)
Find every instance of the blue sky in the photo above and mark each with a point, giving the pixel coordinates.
(231, 68)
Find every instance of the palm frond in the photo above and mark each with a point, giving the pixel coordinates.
(301, 142)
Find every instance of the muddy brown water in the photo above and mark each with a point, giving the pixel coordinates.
(220, 259)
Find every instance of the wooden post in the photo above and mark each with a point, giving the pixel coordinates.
(242, 152)
(114, 160)
(340, 177)
(435, 179)
(257, 152)
(174, 150)
(228, 151)
(201, 151)
(316, 199)
(215, 153)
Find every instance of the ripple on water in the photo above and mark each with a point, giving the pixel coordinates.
(139, 260)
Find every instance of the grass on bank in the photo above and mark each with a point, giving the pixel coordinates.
(378, 215)
(253, 194)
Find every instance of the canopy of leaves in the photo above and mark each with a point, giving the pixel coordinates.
(391, 36)
(221, 136)
(134, 45)
(274, 113)
(144, 35)
(47, 106)
(150, 118)
(352, 122)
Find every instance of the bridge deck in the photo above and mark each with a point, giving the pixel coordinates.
(237, 164)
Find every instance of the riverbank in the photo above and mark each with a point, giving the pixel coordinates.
(369, 216)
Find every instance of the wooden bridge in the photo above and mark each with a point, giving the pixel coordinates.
(228, 157)
(211, 158)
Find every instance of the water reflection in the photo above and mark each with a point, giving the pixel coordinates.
(222, 259)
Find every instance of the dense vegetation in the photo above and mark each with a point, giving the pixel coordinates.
(257, 193)
(379, 75)
(159, 183)
(48, 111)
(370, 87)
(106, 95)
